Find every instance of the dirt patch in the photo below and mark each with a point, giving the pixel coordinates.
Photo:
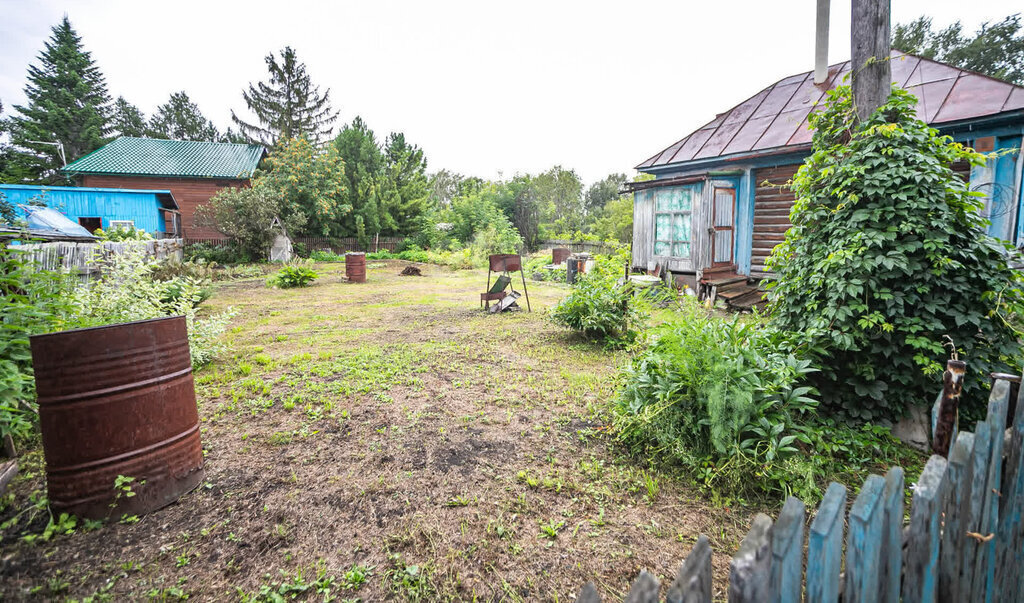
(381, 427)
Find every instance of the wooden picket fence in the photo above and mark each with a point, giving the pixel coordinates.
(964, 541)
(338, 246)
(591, 247)
(85, 259)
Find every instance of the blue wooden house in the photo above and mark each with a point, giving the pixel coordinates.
(716, 207)
(154, 211)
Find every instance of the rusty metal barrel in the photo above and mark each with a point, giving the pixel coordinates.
(118, 400)
(559, 255)
(355, 266)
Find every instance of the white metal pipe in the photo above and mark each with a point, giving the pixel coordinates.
(821, 43)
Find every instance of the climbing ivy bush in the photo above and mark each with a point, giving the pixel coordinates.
(887, 256)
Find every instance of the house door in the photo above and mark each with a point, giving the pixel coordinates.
(723, 230)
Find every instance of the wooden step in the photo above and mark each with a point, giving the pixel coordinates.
(723, 281)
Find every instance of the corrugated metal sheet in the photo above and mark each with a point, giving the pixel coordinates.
(141, 207)
(179, 158)
(777, 116)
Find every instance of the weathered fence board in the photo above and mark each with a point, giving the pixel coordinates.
(750, 572)
(825, 546)
(86, 258)
(864, 543)
(892, 537)
(957, 510)
(922, 560)
(787, 552)
(693, 582)
(964, 541)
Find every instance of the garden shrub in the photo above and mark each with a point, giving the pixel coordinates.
(224, 255)
(887, 256)
(325, 255)
(129, 233)
(604, 310)
(726, 399)
(292, 276)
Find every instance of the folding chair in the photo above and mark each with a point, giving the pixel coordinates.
(503, 263)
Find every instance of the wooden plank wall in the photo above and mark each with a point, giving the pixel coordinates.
(84, 258)
(964, 540)
(772, 203)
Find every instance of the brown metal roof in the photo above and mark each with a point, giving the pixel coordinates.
(777, 116)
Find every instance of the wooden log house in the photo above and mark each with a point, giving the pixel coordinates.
(718, 204)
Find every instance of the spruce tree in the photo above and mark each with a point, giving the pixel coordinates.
(288, 105)
(180, 119)
(126, 119)
(67, 104)
(405, 191)
(363, 161)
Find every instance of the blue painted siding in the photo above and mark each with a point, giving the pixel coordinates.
(745, 221)
(141, 207)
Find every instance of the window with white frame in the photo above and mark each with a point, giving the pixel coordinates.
(125, 224)
(673, 214)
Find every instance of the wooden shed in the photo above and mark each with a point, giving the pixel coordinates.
(193, 172)
(718, 204)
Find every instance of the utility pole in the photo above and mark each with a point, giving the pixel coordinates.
(821, 43)
(869, 41)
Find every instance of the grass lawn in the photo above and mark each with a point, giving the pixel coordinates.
(394, 437)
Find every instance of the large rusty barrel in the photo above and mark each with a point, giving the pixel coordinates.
(118, 400)
(355, 266)
(559, 255)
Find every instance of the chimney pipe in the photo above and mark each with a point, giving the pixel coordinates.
(821, 43)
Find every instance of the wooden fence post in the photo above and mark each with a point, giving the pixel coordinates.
(972, 521)
(957, 509)
(864, 543)
(1009, 556)
(693, 582)
(920, 583)
(787, 552)
(892, 537)
(984, 568)
(645, 589)
(825, 547)
(750, 571)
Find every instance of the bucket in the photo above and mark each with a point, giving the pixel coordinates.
(355, 266)
(118, 400)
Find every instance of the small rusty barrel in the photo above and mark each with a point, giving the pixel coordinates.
(559, 255)
(118, 400)
(355, 267)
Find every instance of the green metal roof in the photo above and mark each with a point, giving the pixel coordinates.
(175, 158)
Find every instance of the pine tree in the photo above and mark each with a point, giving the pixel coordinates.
(67, 104)
(288, 105)
(405, 191)
(363, 161)
(126, 119)
(180, 119)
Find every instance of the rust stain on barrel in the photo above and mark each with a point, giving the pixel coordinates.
(118, 400)
(355, 267)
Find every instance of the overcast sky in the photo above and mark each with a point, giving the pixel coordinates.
(485, 88)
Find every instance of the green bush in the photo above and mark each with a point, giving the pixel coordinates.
(887, 256)
(726, 399)
(123, 234)
(292, 276)
(225, 255)
(322, 255)
(601, 309)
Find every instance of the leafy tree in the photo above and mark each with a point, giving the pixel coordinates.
(245, 215)
(288, 105)
(67, 104)
(887, 256)
(559, 194)
(127, 120)
(615, 220)
(310, 184)
(603, 191)
(180, 119)
(996, 49)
